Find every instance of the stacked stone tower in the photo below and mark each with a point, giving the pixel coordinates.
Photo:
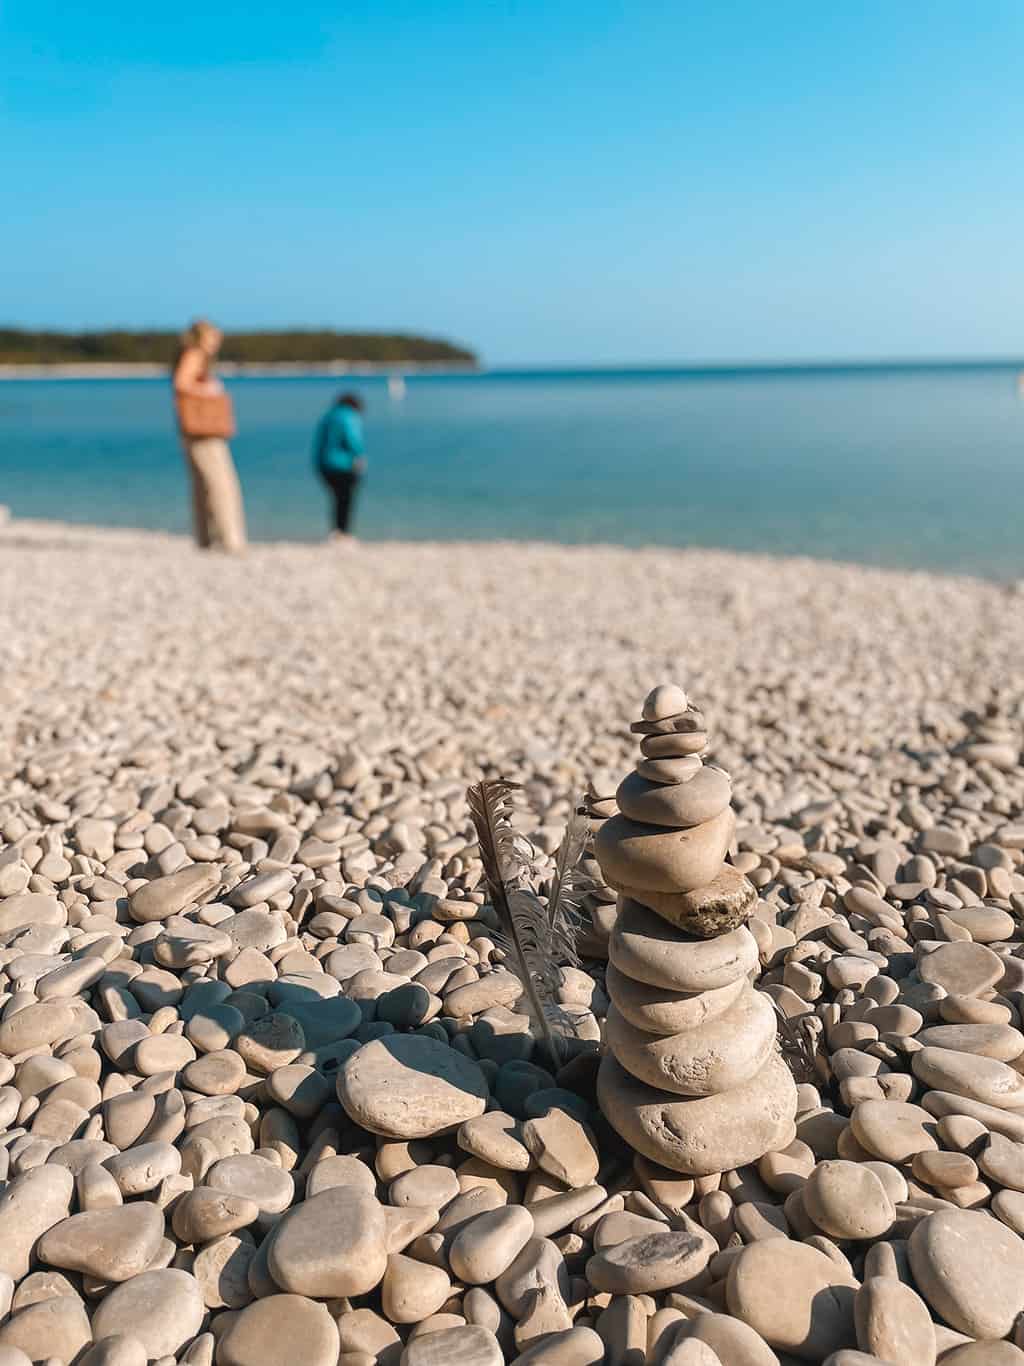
(692, 1077)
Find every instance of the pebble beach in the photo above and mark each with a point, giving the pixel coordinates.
(269, 1091)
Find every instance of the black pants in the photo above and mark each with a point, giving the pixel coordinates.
(343, 485)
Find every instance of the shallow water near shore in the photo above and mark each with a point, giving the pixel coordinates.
(904, 467)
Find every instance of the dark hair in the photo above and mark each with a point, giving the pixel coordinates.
(349, 401)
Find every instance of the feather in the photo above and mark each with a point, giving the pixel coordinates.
(569, 885)
(525, 929)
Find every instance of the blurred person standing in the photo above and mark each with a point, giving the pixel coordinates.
(339, 455)
(206, 422)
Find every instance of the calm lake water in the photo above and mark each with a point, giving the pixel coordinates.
(890, 466)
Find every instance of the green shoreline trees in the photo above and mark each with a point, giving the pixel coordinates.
(20, 346)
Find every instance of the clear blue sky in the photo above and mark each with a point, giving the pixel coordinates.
(548, 180)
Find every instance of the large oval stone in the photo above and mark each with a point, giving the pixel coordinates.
(163, 1309)
(330, 1246)
(646, 948)
(968, 1074)
(656, 1010)
(970, 1269)
(660, 860)
(848, 1200)
(677, 805)
(716, 1056)
(706, 1134)
(799, 1300)
(280, 1330)
(410, 1086)
(110, 1244)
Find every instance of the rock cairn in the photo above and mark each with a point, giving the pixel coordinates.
(693, 1078)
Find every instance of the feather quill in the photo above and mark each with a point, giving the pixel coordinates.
(525, 928)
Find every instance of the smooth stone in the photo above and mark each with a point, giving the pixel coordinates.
(411, 1291)
(677, 769)
(222, 1269)
(562, 1147)
(893, 1323)
(944, 1103)
(968, 1074)
(52, 1330)
(255, 1178)
(663, 701)
(984, 1354)
(30, 1205)
(495, 1137)
(572, 1347)
(468, 1345)
(170, 895)
(163, 1309)
(1003, 1161)
(410, 1086)
(36, 1026)
(734, 1341)
(997, 1041)
(539, 1263)
(652, 1262)
(676, 805)
(963, 968)
(893, 1130)
(704, 1135)
(646, 948)
(280, 1330)
(31, 908)
(659, 860)
(970, 1269)
(110, 1244)
(340, 1169)
(674, 744)
(143, 1167)
(656, 1010)
(848, 1200)
(203, 1213)
(487, 1245)
(798, 1299)
(717, 1056)
(331, 1245)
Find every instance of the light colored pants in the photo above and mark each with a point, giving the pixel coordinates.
(217, 510)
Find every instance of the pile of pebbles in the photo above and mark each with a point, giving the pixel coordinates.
(268, 1092)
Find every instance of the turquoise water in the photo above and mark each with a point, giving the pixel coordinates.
(892, 466)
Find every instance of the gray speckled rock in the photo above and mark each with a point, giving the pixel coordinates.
(720, 905)
(410, 1086)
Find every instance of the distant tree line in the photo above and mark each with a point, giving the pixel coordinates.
(19, 346)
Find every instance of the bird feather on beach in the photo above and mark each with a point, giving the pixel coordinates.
(536, 937)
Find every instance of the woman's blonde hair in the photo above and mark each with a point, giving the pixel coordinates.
(193, 336)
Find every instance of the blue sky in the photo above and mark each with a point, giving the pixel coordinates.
(549, 181)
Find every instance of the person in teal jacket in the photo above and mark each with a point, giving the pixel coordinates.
(339, 454)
